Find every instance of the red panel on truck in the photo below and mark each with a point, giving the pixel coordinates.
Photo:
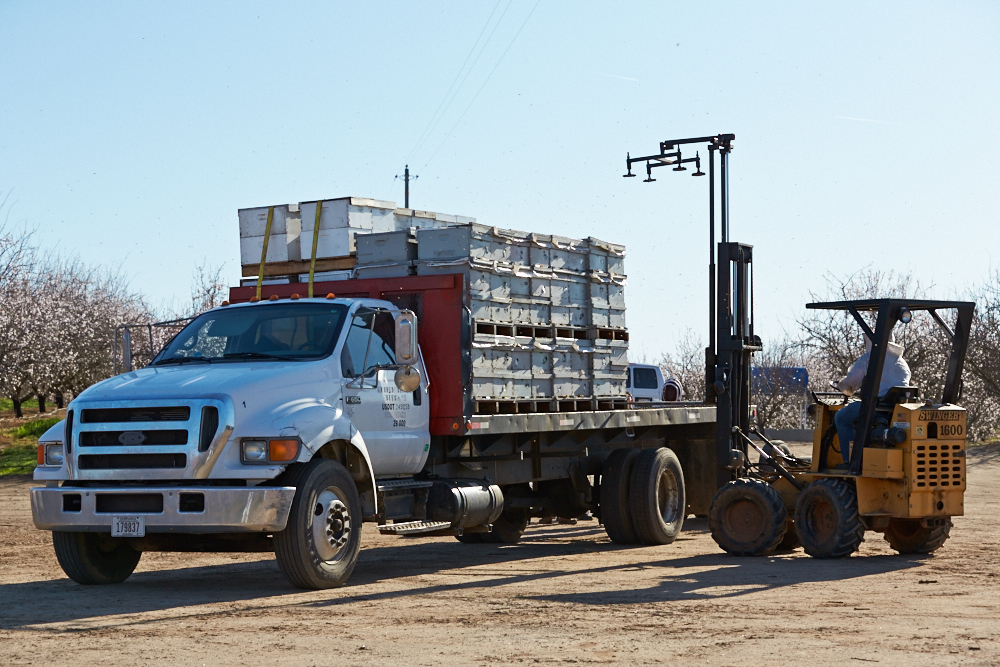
(437, 301)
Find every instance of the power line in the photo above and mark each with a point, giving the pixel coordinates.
(436, 118)
(457, 74)
(474, 97)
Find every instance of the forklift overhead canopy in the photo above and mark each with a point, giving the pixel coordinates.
(887, 313)
(875, 304)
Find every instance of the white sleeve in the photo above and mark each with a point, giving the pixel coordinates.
(851, 383)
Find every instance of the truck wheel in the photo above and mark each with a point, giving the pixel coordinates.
(656, 496)
(615, 511)
(94, 558)
(747, 518)
(827, 520)
(508, 528)
(908, 536)
(319, 546)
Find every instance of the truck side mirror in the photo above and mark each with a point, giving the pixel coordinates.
(406, 338)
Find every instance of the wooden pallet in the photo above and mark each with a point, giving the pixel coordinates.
(533, 406)
(299, 266)
(532, 331)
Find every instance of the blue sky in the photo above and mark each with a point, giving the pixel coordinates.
(131, 132)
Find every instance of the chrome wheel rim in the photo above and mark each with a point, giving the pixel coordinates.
(668, 497)
(331, 526)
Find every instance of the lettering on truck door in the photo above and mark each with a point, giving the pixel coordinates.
(393, 423)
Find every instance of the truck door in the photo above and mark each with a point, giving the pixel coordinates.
(393, 423)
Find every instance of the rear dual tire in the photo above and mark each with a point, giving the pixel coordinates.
(642, 496)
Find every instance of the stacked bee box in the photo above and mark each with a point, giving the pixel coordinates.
(548, 316)
(548, 312)
(340, 222)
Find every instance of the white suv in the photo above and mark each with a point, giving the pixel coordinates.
(645, 383)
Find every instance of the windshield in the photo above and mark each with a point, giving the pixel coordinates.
(287, 332)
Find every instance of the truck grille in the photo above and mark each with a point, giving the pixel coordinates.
(131, 461)
(114, 439)
(113, 415)
(209, 425)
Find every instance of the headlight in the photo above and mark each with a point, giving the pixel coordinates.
(276, 450)
(255, 451)
(52, 456)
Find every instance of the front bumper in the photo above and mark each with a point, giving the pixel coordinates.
(226, 509)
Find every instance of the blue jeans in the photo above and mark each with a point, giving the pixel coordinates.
(845, 419)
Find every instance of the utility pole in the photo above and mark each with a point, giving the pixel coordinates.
(406, 185)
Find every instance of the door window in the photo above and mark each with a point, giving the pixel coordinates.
(371, 342)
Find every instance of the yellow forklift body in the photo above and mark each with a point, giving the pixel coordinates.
(922, 477)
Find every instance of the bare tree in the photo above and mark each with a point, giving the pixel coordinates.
(774, 389)
(981, 383)
(208, 290)
(686, 364)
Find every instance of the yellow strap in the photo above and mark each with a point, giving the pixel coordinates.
(312, 263)
(263, 253)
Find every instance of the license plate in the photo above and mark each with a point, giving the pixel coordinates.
(128, 526)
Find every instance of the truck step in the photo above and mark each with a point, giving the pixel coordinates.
(413, 527)
(403, 484)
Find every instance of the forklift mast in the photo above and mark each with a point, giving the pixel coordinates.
(730, 365)
(730, 294)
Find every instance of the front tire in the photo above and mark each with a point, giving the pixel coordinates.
(94, 559)
(910, 536)
(319, 546)
(747, 518)
(827, 520)
(656, 496)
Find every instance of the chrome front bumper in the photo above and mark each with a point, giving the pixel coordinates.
(226, 509)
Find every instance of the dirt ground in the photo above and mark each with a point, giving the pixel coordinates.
(565, 594)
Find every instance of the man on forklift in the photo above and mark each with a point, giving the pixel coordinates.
(895, 373)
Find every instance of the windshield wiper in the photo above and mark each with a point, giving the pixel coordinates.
(254, 355)
(180, 360)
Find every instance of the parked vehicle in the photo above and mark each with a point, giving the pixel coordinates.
(281, 422)
(645, 384)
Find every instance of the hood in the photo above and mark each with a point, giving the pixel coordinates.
(235, 379)
(894, 350)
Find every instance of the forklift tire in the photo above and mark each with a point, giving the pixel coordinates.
(94, 559)
(827, 520)
(747, 518)
(508, 527)
(790, 542)
(320, 543)
(908, 536)
(615, 511)
(656, 496)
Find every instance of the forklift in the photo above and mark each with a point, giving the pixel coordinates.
(905, 476)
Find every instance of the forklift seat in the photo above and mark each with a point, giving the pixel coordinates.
(896, 395)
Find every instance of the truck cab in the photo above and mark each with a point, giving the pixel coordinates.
(197, 442)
